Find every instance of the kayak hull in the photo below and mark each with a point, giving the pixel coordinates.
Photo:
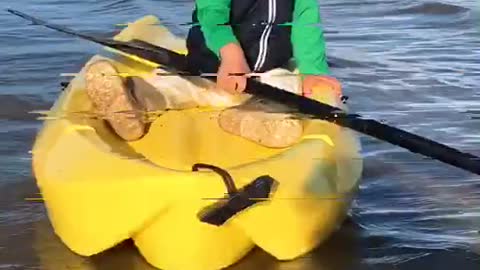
(100, 190)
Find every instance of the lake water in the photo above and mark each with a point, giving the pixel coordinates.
(414, 64)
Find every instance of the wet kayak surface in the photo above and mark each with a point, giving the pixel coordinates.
(413, 64)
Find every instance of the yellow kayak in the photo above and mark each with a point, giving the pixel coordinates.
(100, 190)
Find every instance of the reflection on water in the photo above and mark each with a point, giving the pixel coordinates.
(341, 252)
(345, 250)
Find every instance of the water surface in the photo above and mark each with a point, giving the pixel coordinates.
(412, 63)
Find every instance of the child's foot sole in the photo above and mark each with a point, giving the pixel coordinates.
(267, 129)
(110, 96)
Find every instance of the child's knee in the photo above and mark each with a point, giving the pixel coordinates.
(283, 79)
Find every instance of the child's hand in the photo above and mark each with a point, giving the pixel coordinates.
(320, 81)
(232, 61)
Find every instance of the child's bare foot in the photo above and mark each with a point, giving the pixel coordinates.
(110, 96)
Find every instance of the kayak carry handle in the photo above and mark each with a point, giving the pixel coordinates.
(236, 200)
(227, 178)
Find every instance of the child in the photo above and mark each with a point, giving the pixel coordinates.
(235, 36)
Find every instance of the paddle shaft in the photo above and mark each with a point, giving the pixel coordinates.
(395, 136)
(303, 105)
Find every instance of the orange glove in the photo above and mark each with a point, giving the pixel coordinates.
(320, 81)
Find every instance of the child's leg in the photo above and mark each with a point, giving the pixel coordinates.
(261, 121)
(188, 92)
(265, 122)
(125, 101)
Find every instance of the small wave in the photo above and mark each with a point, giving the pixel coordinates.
(122, 6)
(11, 266)
(18, 107)
(335, 62)
(397, 259)
(119, 2)
(473, 114)
(433, 8)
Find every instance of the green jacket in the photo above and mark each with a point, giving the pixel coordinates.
(307, 39)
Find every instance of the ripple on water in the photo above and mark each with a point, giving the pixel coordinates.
(432, 8)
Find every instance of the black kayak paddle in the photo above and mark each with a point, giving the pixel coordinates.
(305, 106)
